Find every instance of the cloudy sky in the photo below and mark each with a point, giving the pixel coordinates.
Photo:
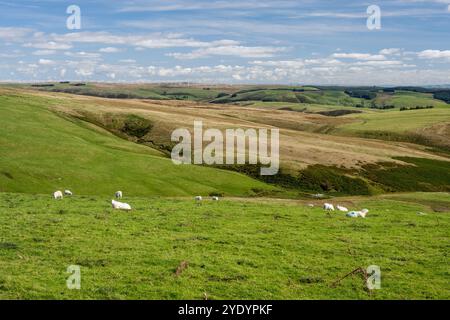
(227, 41)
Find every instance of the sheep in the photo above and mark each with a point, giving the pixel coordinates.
(356, 214)
(215, 198)
(68, 193)
(198, 198)
(57, 195)
(119, 195)
(120, 206)
(341, 208)
(363, 213)
(352, 214)
(328, 207)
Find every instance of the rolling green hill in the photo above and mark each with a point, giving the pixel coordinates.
(42, 152)
(290, 95)
(301, 96)
(57, 141)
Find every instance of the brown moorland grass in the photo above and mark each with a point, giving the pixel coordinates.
(302, 142)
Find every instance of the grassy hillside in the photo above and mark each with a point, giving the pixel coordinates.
(289, 95)
(82, 124)
(129, 91)
(361, 97)
(42, 152)
(234, 249)
(430, 127)
(408, 99)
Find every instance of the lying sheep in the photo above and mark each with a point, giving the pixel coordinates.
(356, 214)
(341, 208)
(119, 195)
(328, 207)
(198, 198)
(363, 213)
(120, 206)
(57, 195)
(68, 193)
(215, 198)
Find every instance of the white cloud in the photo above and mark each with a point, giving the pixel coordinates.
(110, 50)
(151, 41)
(83, 54)
(44, 52)
(11, 55)
(238, 51)
(50, 45)
(390, 51)
(13, 34)
(359, 56)
(46, 62)
(282, 63)
(84, 72)
(380, 63)
(151, 6)
(434, 54)
(127, 60)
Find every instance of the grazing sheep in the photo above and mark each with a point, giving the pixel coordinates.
(352, 214)
(119, 195)
(328, 207)
(198, 198)
(120, 206)
(363, 213)
(341, 208)
(356, 214)
(68, 193)
(57, 195)
(215, 198)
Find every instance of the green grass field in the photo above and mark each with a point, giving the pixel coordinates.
(409, 99)
(42, 152)
(397, 121)
(235, 249)
(155, 92)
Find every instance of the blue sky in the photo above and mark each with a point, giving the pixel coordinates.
(227, 41)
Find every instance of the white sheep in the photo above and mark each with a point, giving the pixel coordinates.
(68, 193)
(215, 198)
(198, 198)
(328, 207)
(356, 214)
(119, 195)
(341, 208)
(363, 213)
(57, 195)
(120, 206)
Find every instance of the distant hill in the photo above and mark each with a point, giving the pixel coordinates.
(43, 151)
(360, 97)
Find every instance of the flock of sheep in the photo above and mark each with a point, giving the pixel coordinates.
(352, 214)
(125, 206)
(58, 195)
